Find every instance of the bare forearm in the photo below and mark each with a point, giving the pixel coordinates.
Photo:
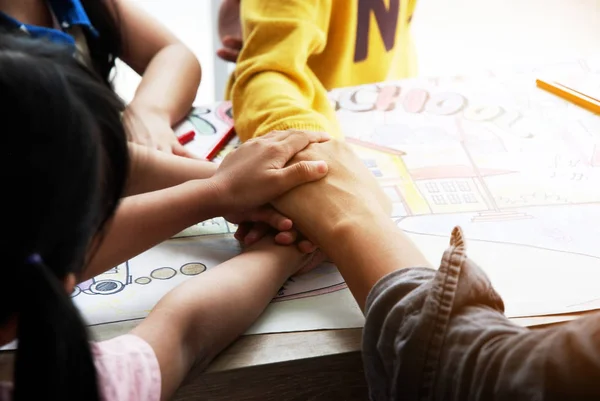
(166, 90)
(143, 221)
(240, 289)
(347, 215)
(152, 170)
(367, 249)
(205, 314)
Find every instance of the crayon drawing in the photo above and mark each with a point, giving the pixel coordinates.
(516, 167)
(130, 290)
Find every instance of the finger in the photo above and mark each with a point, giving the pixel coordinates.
(242, 231)
(228, 55)
(270, 216)
(294, 142)
(180, 150)
(286, 237)
(305, 246)
(309, 136)
(232, 43)
(300, 173)
(273, 218)
(256, 233)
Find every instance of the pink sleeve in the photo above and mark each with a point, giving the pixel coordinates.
(127, 369)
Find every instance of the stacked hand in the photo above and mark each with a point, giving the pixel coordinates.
(348, 194)
(255, 174)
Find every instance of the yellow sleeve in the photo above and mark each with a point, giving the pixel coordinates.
(273, 87)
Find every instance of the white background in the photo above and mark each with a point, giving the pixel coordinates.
(452, 36)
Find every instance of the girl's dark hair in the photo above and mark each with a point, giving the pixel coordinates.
(63, 170)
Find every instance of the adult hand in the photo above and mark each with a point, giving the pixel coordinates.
(255, 173)
(230, 30)
(154, 131)
(348, 194)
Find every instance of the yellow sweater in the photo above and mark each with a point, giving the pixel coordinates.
(296, 50)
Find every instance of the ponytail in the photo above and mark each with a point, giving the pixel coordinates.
(53, 359)
(66, 184)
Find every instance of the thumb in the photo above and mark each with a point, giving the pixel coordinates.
(302, 172)
(180, 150)
(233, 43)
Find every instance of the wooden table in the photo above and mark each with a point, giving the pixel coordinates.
(313, 365)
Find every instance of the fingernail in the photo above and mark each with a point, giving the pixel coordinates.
(320, 166)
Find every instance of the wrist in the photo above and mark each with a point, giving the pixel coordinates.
(350, 230)
(203, 199)
(140, 109)
(285, 259)
(220, 192)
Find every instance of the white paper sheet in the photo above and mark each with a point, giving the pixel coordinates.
(516, 167)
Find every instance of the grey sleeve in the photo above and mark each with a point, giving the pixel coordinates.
(442, 335)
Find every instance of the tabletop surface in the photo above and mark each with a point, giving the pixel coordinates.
(296, 350)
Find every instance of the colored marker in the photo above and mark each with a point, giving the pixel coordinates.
(220, 144)
(187, 137)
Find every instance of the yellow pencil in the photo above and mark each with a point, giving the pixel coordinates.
(571, 95)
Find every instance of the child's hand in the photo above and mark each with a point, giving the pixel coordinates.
(249, 233)
(151, 130)
(264, 216)
(255, 173)
(291, 237)
(230, 30)
(307, 261)
(348, 192)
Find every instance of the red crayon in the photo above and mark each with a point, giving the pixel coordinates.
(220, 144)
(187, 137)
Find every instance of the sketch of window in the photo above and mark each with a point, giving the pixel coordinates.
(377, 173)
(448, 187)
(439, 200)
(469, 198)
(432, 187)
(463, 186)
(369, 163)
(454, 199)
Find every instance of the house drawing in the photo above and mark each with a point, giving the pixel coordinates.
(426, 190)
